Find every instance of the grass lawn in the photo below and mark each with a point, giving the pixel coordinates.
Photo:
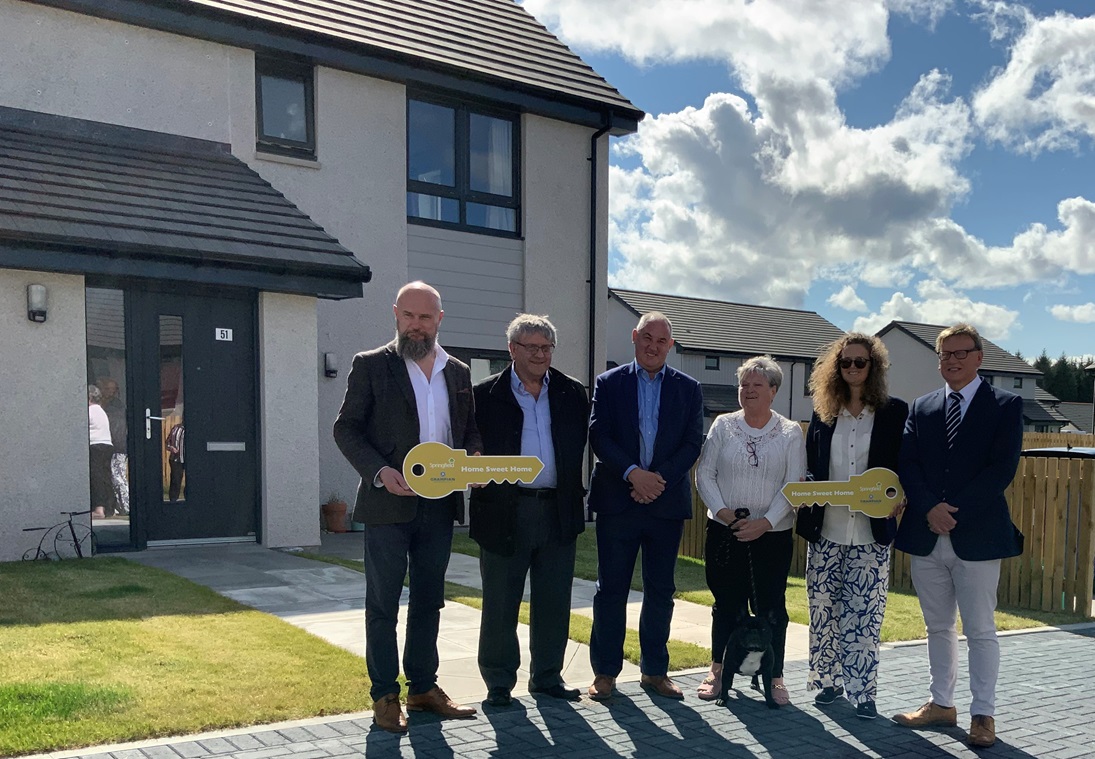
(682, 655)
(903, 619)
(106, 650)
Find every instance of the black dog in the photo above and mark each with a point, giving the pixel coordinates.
(749, 652)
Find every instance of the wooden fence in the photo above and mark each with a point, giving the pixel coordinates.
(1052, 500)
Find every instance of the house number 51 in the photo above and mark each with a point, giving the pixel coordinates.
(223, 334)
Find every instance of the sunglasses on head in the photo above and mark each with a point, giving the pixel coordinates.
(859, 362)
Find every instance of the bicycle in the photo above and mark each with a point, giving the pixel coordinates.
(69, 539)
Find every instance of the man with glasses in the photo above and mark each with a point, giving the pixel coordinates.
(646, 428)
(958, 455)
(529, 409)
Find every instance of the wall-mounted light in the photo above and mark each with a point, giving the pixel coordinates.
(37, 302)
(330, 365)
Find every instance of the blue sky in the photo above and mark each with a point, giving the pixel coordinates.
(922, 160)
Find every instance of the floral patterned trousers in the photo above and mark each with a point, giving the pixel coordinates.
(846, 588)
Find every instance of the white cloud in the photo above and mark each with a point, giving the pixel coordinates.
(758, 200)
(1084, 314)
(938, 304)
(1044, 98)
(847, 299)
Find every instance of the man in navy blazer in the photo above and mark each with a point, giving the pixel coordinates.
(646, 429)
(959, 454)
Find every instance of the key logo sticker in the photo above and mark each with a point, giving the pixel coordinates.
(433, 470)
(874, 492)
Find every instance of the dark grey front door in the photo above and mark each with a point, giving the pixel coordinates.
(194, 415)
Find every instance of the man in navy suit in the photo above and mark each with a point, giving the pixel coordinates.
(646, 428)
(959, 453)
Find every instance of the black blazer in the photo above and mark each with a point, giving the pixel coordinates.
(972, 476)
(500, 419)
(614, 437)
(378, 425)
(889, 423)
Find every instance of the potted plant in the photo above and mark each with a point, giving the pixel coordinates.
(334, 513)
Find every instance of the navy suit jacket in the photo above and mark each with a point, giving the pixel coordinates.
(972, 476)
(614, 438)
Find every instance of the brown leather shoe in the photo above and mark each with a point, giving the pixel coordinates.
(602, 687)
(662, 685)
(982, 731)
(929, 715)
(434, 700)
(388, 715)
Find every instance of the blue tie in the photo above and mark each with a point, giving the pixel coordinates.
(954, 417)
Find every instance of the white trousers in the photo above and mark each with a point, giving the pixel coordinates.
(946, 586)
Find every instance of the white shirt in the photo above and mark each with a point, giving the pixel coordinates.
(967, 394)
(98, 425)
(847, 458)
(727, 477)
(431, 395)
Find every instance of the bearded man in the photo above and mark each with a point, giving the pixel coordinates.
(399, 395)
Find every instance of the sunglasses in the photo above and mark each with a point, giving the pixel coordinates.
(859, 361)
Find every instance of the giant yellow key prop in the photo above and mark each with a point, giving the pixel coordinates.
(874, 493)
(433, 470)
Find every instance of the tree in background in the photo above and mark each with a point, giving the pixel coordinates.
(1065, 378)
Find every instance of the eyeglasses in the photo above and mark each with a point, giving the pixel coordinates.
(944, 355)
(536, 350)
(859, 361)
(751, 449)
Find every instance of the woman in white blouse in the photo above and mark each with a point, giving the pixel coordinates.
(856, 426)
(748, 457)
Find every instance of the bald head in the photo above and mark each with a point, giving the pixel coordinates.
(418, 315)
(419, 288)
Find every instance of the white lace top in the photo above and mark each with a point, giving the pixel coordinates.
(745, 467)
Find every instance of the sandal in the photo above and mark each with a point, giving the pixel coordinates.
(780, 694)
(710, 688)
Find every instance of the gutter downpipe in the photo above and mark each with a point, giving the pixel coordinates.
(591, 366)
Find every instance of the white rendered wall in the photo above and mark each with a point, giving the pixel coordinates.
(555, 201)
(288, 408)
(44, 448)
(74, 65)
(914, 368)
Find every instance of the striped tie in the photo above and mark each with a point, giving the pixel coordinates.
(954, 417)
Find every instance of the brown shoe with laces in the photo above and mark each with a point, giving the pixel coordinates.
(929, 715)
(662, 685)
(601, 689)
(982, 731)
(388, 715)
(434, 700)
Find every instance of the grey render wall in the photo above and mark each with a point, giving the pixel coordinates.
(44, 448)
(288, 403)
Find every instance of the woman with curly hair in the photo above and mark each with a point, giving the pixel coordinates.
(855, 426)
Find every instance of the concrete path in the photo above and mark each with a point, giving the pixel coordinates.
(329, 602)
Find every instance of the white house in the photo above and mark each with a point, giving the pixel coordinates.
(200, 189)
(712, 339)
(914, 371)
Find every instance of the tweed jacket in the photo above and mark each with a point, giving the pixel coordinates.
(378, 425)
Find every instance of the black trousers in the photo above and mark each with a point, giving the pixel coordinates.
(548, 563)
(728, 576)
(420, 547)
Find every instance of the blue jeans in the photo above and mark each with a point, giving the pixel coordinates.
(422, 545)
(619, 538)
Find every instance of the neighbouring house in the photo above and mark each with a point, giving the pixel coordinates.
(712, 339)
(1078, 415)
(914, 371)
(192, 196)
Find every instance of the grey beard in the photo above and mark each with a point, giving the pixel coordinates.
(415, 350)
